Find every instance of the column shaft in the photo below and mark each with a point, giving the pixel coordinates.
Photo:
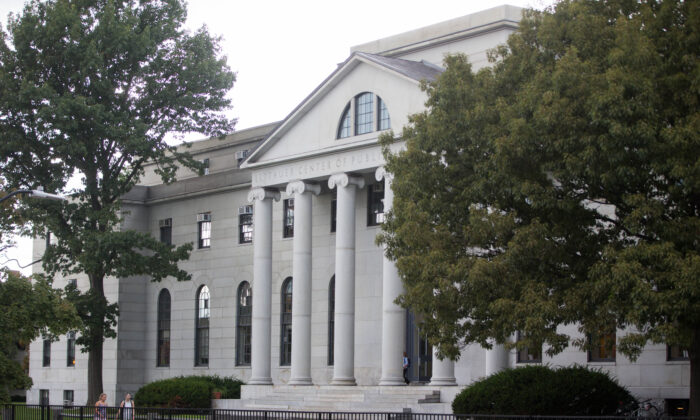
(496, 359)
(443, 371)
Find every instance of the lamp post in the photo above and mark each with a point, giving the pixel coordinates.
(38, 193)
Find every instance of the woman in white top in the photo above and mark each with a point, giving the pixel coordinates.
(126, 408)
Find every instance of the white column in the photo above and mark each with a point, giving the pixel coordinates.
(301, 274)
(344, 340)
(496, 359)
(393, 316)
(443, 371)
(262, 284)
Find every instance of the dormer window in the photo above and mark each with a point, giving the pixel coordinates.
(364, 115)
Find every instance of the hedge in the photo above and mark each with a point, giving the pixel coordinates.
(187, 391)
(540, 390)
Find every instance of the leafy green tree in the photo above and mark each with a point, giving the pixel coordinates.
(28, 311)
(90, 89)
(560, 186)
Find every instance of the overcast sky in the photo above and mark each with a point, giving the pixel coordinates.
(282, 49)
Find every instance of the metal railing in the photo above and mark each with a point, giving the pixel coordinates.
(65, 412)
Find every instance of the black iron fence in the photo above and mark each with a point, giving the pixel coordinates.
(59, 412)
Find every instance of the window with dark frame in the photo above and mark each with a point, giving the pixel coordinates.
(676, 353)
(163, 345)
(364, 113)
(204, 230)
(70, 349)
(384, 122)
(244, 324)
(166, 231)
(345, 125)
(46, 354)
(529, 354)
(288, 219)
(68, 397)
(44, 397)
(375, 204)
(334, 212)
(331, 321)
(286, 323)
(73, 283)
(202, 315)
(603, 348)
(245, 224)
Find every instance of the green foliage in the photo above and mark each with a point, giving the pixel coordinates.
(539, 390)
(187, 391)
(560, 186)
(90, 89)
(28, 312)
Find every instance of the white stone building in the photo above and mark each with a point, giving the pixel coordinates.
(299, 203)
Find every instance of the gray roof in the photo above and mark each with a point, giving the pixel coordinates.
(416, 70)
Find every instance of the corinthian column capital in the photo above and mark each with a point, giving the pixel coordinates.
(263, 193)
(300, 187)
(343, 180)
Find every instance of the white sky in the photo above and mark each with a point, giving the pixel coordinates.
(282, 49)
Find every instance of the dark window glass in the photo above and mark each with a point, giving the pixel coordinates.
(245, 224)
(163, 350)
(334, 213)
(288, 222)
(364, 112)
(286, 324)
(46, 360)
(244, 324)
(166, 231)
(384, 120)
(202, 326)
(70, 351)
(603, 348)
(68, 397)
(344, 126)
(44, 397)
(331, 320)
(204, 230)
(676, 353)
(375, 204)
(528, 354)
(73, 282)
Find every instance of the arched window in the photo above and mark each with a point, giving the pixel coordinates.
(369, 115)
(163, 355)
(286, 323)
(331, 320)
(243, 324)
(202, 313)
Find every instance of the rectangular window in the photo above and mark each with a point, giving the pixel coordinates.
(245, 224)
(529, 355)
(68, 397)
(603, 348)
(241, 155)
(204, 230)
(166, 231)
(73, 283)
(375, 204)
(43, 397)
(334, 213)
(70, 351)
(288, 220)
(205, 163)
(676, 352)
(47, 353)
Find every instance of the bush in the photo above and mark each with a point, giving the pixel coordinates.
(540, 390)
(186, 391)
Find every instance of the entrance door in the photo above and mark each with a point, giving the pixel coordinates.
(419, 351)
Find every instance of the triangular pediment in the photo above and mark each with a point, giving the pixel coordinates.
(312, 128)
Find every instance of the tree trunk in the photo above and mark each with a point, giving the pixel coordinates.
(694, 356)
(95, 372)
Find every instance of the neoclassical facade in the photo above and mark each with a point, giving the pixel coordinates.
(289, 288)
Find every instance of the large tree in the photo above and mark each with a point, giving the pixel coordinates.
(90, 89)
(30, 309)
(561, 186)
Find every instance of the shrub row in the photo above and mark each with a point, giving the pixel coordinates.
(187, 391)
(540, 390)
